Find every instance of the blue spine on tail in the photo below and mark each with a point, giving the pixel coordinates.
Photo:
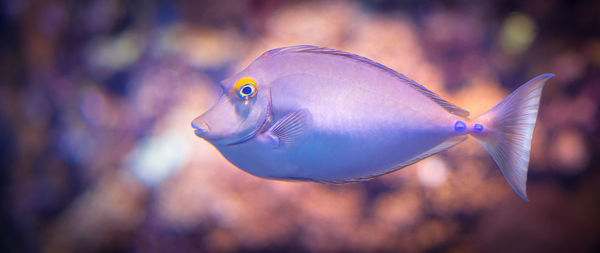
(509, 129)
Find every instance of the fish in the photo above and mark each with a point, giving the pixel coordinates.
(309, 113)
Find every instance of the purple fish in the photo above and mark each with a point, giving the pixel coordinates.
(318, 114)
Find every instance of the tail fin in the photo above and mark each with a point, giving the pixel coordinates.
(509, 129)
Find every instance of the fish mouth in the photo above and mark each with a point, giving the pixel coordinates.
(199, 133)
(202, 130)
(200, 127)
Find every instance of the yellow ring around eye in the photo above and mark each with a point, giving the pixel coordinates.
(244, 81)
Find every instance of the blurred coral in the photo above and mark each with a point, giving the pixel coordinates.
(96, 101)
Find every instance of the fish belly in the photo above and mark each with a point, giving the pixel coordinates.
(340, 158)
(335, 157)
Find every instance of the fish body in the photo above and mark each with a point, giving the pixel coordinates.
(318, 114)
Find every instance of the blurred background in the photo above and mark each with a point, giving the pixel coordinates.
(97, 152)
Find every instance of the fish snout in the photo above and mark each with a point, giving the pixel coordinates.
(200, 127)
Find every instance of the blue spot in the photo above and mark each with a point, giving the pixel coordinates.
(478, 127)
(460, 126)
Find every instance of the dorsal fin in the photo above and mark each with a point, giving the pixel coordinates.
(452, 108)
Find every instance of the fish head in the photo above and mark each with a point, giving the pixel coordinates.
(240, 112)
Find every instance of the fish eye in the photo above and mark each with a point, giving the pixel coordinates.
(246, 87)
(246, 91)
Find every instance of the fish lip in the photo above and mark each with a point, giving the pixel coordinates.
(199, 132)
(200, 129)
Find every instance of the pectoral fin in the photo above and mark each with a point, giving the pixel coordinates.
(289, 129)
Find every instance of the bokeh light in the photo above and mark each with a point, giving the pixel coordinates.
(96, 100)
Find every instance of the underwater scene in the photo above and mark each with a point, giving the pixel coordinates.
(99, 154)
